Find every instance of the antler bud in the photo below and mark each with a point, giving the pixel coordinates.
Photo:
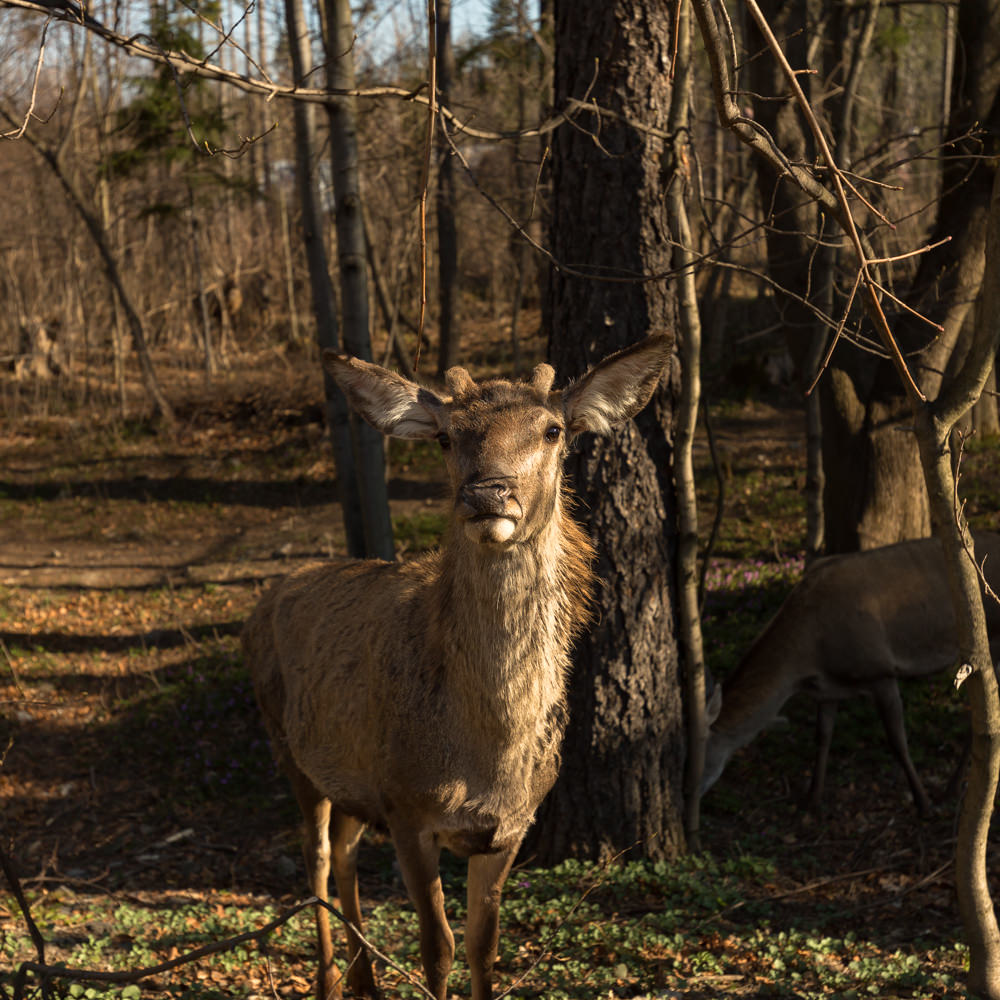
(458, 380)
(542, 377)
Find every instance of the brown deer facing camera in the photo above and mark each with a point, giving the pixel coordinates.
(427, 698)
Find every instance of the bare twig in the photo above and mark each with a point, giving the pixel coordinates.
(36, 935)
(836, 337)
(9, 660)
(720, 503)
(899, 302)
(30, 113)
(844, 214)
(49, 972)
(911, 253)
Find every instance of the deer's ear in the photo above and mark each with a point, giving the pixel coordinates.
(390, 403)
(713, 704)
(618, 388)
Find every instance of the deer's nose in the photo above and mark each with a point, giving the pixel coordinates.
(486, 496)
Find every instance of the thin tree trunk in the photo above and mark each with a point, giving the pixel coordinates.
(542, 217)
(447, 232)
(211, 366)
(793, 260)
(324, 304)
(689, 343)
(934, 423)
(99, 237)
(386, 302)
(519, 247)
(369, 453)
(101, 118)
(265, 147)
(294, 333)
(117, 336)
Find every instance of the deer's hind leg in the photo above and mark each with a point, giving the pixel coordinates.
(315, 809)
(346, 836)
(890, 709)
(826, 715)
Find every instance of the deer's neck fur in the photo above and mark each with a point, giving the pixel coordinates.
(770, 673)
(505, 615)
(500, 620)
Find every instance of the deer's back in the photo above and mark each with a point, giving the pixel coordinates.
(883, 612)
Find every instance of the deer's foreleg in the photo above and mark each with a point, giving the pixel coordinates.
(418, 856)
(487, 874)
(826, 715)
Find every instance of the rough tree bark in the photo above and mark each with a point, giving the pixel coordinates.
(621, 781)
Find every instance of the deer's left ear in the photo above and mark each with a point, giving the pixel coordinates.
(618, 388)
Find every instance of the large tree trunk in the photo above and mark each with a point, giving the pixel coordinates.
(623, 759)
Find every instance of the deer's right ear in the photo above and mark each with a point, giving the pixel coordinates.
(390, 403)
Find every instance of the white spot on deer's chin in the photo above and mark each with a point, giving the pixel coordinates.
(490, 529)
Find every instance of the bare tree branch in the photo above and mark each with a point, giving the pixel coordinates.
(30, 113)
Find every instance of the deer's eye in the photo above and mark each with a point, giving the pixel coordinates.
(553, 433)
(444, 441)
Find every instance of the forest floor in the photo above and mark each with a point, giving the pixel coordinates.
(141, 809)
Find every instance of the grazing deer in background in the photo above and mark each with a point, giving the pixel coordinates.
(427, 698)
(853, 625)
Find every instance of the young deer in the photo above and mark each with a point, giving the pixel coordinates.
(427, 698)
(852, 626)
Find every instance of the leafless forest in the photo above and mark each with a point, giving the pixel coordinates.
(190, 184)
(199, 198)
(192, 187)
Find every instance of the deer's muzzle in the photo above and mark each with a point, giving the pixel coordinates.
(487, 496)
(490, 509)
